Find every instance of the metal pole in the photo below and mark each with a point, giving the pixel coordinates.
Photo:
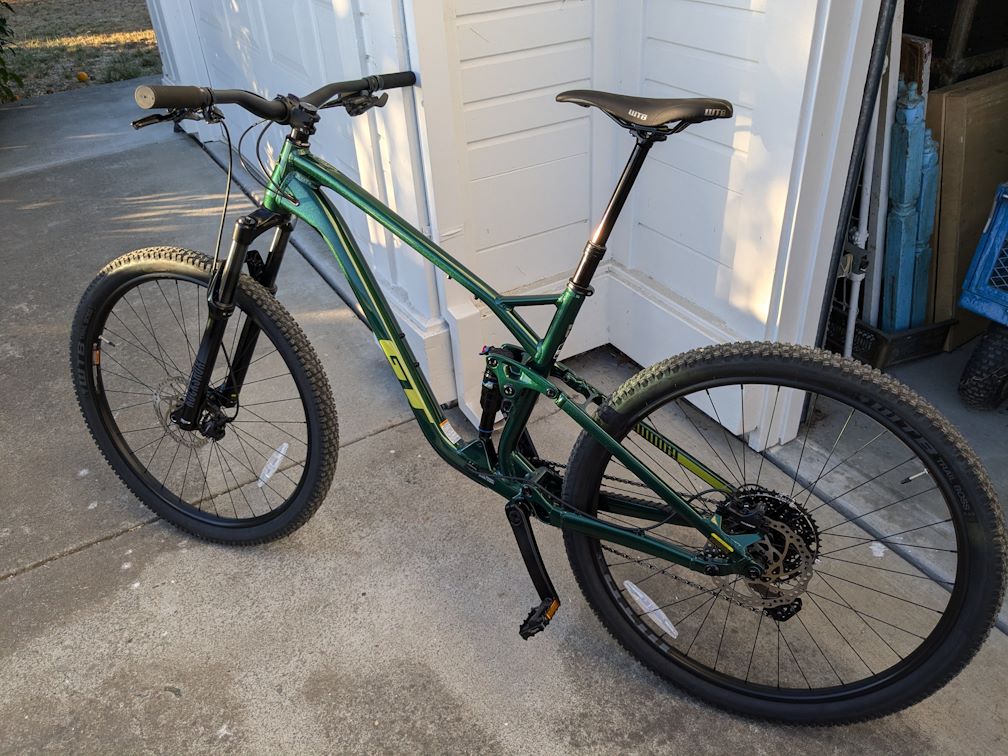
(852, 311)
(876, 64)
(955, 50)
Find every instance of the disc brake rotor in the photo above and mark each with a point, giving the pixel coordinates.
(168, 395)
(788, 550)
(789, 562)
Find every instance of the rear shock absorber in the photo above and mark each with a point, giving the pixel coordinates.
(490, 401)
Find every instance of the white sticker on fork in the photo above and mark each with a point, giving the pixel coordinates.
(651, 609)
(272, 464)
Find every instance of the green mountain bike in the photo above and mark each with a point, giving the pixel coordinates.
(782, 532)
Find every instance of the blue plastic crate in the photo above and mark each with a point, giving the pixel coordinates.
(985, 290)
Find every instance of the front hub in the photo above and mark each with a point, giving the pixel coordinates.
(168, 398)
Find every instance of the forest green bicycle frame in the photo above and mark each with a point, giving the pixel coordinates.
(295, 188)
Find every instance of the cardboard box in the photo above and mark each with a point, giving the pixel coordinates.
(968, 120)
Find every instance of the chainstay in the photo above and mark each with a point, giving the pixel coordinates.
(715, 592)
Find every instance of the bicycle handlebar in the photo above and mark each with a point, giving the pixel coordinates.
(367, 84)
(148, 97)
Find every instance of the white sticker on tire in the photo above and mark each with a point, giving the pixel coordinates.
(651, 609)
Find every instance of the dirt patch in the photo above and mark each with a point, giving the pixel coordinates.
(56, 40)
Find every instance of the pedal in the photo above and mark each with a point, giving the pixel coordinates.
(538, 618)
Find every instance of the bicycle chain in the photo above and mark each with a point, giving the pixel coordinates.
(719, 592)
(557, 466)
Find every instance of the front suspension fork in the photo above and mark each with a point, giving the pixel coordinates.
(266, 275)
(221, 304)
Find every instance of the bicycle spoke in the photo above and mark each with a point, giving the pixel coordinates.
(843, 464)
(878, 509)
(185, 330)
(829, 456)
(724, 433)
(710, 446)
(886, 569)
(839, 632)
(769, 425)
(882, 539)
(151, 330)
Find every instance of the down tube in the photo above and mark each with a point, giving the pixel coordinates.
(316, 210)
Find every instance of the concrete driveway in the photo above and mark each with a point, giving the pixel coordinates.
(387, 624)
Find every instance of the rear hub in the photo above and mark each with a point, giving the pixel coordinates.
(787, 550)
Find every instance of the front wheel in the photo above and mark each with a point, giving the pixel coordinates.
(263, 459)
(880, 534)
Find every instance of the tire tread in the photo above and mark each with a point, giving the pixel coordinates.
(667, 371)
(273, 310)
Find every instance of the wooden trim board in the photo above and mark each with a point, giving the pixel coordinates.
(968, 121)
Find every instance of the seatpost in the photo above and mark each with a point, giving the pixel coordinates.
(595, 249)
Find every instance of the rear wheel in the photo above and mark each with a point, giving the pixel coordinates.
(880, 534)
(262, 465)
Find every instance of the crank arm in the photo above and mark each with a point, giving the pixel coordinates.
(540, 616)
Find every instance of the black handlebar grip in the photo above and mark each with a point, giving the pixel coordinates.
(394, 80)
(171, 97)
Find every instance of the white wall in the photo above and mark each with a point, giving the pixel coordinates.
(510, 170)
(705, 251)
(727, 233)
(708, 217)
(296, 46)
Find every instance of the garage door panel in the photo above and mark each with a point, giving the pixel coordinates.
(520, 203)
(687, 209)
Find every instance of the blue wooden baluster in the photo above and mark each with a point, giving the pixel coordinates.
(907, 147)
(925, 225)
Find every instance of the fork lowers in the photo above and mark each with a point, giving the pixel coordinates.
(220, 306)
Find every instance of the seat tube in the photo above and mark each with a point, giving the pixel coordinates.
(595, 249)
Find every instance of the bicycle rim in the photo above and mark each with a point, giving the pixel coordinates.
(876, 553)
(144, 340)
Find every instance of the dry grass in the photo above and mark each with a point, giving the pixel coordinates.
(109, 40)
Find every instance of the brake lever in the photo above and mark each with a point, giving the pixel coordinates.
(209, 113)
(150, 120)
(358, 103)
